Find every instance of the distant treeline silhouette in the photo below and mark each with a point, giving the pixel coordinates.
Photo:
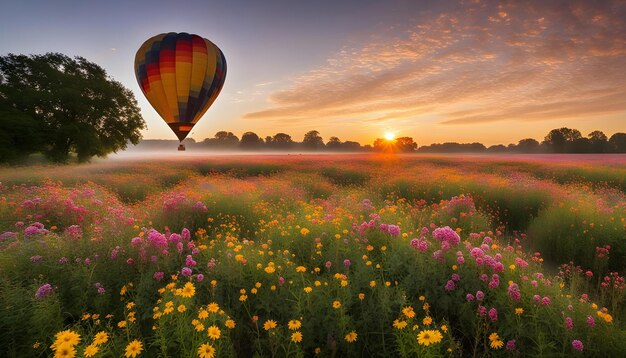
(561, 140)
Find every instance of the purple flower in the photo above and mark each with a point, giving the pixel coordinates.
(510, 345)
(44, 291)
(100, 288)
(450, 285)
(577, 345)
(186, 271)
(455, 277)
(136, 241)
(394, 230)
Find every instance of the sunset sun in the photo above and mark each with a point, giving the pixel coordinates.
(389, 136)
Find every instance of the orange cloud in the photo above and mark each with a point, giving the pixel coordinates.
(479, 62)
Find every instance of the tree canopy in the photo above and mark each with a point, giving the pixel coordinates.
(59, 105)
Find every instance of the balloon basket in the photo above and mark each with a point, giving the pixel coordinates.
(181, 147)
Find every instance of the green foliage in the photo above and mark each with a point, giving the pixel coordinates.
(59, 105)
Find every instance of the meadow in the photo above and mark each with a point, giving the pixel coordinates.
(315, 255)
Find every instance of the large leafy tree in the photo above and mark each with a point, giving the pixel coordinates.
(64, 105)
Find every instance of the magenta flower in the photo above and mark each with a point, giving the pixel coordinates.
(546, 301)
(450, 285)
(469, 297)
(569, 323)
(347, 263)
(510, 345)
(186, 271)
(591, 322)
(199, 277)
(577, 345)
(480, 295)
(158, 276)
(493, 314)
(394, 230)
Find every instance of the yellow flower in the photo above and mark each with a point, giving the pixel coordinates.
(304, 231)
(214, 332)
(511, 267)
(399, 324)
(269, 324)
(199, 327)
(133, 349)
(130, 305)
(422, 298)
(213, 307)
(308, 289)
(182, 308)
(408, 312)
(270, 269)
(294, 324)
(206, 351)
(296, 337)
(444, 328)
(101, 338)
(203, 314)
(428, 337)
(496, 344)
(493, 337)
(243, 298)
(426, 306)
(361, 296)
(188, 291)
(65, 350)
(122, 324)
(372, 284)
(230, 324)
(91, 350)
(66, 337)
(519, 311)
(351, 337)
(336, 305)
(300, 269)
(427, 321)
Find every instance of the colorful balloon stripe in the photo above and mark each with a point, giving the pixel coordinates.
(181, 75)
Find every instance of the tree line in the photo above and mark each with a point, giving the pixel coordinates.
(561, 140)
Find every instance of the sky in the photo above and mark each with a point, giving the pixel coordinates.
(469, 70)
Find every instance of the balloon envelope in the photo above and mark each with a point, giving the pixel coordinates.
(181, 75)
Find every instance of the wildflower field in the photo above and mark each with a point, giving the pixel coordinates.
(305, 255)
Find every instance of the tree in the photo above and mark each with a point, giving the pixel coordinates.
(334, 144)
(528, 145)
(77, 107)
(561, 140)
(312, 140)
(282, 141)
(599, 142)
(20, 135)
(618, 142)
(405, 144)
(250, 140)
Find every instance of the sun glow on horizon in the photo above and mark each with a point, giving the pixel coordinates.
(390, 136)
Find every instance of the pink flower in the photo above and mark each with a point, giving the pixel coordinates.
(546, 301)
(44, 291)
(591, 322)
(328, 264)
(450, 285)
(346, 263)
(469, 297)
(158, 276)
(480, 295)
(493, 314)
(186, 271)
(510, 345)
(569, 323)
(577, 345)
(199, 277)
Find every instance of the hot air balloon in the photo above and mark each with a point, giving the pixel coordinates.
(181, 75)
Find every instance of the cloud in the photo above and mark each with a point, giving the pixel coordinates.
(475, 62)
